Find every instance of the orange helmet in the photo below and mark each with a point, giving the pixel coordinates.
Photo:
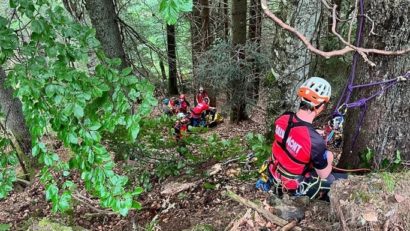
(315, 91)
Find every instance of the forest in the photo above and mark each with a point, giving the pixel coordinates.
(161, 114)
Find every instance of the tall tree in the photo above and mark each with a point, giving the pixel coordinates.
(226, 18)
(205, 27)
(196, 23)
(172, 60)
(104, 19)
(201, 39)
(254, 34)
(389, 111)
(292, 59)
(238, 96)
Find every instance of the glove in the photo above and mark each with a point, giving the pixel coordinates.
(263, 185)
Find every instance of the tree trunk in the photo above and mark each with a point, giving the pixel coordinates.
(201, 41)
(290, 56)
(255, 32)
(162, 67)
(13, 113)
(386, 128)
(226, 19)
(172, 61)
(195, 36)
(14, 121)
(104, 20)
(205, 28)
(238, 97)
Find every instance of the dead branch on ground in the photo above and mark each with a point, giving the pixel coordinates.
(268, 215)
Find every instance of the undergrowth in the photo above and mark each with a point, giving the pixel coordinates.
(157, 155)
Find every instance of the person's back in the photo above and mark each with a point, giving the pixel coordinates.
(303, 149)
(300, 162)
(199, 109)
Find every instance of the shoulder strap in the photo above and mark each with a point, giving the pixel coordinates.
(291, 125)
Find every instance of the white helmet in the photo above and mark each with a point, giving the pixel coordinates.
(315, 90)
(180, 115)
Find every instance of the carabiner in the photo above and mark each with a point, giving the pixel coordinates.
(342, 109)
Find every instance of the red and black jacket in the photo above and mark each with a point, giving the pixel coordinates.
(297, 147)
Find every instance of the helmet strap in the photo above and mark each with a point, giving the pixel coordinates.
(316, 108)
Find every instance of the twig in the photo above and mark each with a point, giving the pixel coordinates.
(289, 226)
(386, 225)
(100, 211)
(342, 219)
(268, 215)
(25, 182)
(237, 223)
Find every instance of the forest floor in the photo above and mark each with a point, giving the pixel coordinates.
(177, 203)
(183, 202)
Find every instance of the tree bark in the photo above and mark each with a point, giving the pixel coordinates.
(205, 28)
(14, 120)
(226, 19)
(386, 127)
(13, 113)
(238, 97)
(162, 67)
(104, 19)
(290, 56)
(172, 61)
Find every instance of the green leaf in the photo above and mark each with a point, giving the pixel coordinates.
(94, 126)
(5, 227)
(72, 138)
(58, 99)
(52, 192)
(64, 201)
(135, 129)
(210, 186)
(126, 71)
(124, 211)
(136, 205)
(78, 111)
(137, 191)
(398, 157)
(90, 157)
(37, 26)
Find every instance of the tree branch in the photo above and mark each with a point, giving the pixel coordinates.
(327, 54)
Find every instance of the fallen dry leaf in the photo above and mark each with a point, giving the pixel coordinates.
(215, 169)
(399, 198)
(370, 216)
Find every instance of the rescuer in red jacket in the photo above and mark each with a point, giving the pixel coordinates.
(198, 113)
(300, 162)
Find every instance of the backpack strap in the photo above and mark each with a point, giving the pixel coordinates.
(291, 125)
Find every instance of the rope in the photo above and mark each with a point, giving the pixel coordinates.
(351, 170)
(347, 92)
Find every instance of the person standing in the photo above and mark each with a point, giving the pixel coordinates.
(200, 96)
